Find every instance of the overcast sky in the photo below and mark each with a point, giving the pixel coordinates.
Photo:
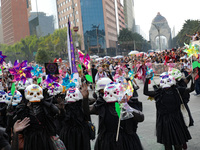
(175, 11)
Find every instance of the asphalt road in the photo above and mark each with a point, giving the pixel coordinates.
(146, 129)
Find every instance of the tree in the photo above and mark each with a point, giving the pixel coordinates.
(42, 56)
(127, 39)
(189, 27)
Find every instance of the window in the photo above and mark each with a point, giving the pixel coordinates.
(64, 10)
(67, 8)
(77, 12)
(61, 11)
(70, 7)
(66, 1)
(65, 17)
(70, 15)
(69, 0)
(76, 4)
(77, 20)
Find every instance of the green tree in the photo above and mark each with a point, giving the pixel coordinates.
(127, 39)
(42, 56)
(189, 27)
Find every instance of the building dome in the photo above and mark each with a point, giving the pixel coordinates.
(159, 18)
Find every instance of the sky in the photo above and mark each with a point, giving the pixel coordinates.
(175, 11)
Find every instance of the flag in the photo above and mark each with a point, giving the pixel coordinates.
(87, 61)
(81, 55)
(71, 50)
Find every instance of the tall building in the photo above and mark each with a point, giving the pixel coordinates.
(129, 14)
(1, 29)
(40, 24)
(99, 22)
(43, 17)
(14, 20)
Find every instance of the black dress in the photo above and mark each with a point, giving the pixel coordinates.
(170, 126)
(108, 123)
(38, 134)
(74, 132)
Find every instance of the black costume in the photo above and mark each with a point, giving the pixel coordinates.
(3, 119)
(108, 123)
(186, 97)
(38, 134)
(170, 126)
(75, 131)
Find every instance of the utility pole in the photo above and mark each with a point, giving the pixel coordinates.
(76, 41)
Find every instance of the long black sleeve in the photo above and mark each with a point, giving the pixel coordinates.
(146, 89)
(14, 145)
(85, 106)
(191, 88)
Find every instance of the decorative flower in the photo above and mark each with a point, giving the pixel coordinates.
(2, 57)
(36, 71)
(20, 71)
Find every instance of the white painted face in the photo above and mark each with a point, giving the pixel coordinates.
(167, 81)
(176, 74)
(73, 95)
(2, 96)
(111, 92)
(57, 90)
(17, 97)
(33, 93)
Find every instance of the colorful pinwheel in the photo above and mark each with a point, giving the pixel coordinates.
(192, 50)
(20, 71)
(69, 83)
(51, 82)
(2, 58)
(36, 71)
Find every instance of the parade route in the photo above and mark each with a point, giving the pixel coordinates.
(146, 129)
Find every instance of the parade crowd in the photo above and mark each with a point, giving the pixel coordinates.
(52, 111)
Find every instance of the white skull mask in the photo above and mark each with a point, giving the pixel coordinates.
(2, 96)
(112, 92)
(17, 97)
(33, 93)
(176, 74)
(44, 84)
(163, 74)
(58, 89)
(73, 95)
(22, 86)
(167, 81)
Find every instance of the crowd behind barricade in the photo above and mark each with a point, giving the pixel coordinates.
(51, 112)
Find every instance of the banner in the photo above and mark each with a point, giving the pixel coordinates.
(71, 51)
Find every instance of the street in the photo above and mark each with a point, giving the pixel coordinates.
(146, 129)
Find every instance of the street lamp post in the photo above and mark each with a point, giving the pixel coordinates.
(97, 38)
(158, 29)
